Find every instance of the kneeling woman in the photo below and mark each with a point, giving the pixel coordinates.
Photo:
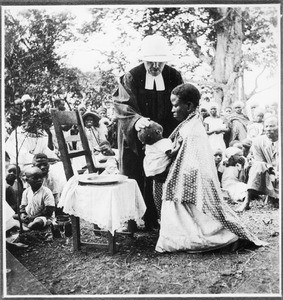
(194, 216)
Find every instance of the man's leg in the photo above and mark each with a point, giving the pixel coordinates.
(133, 168)
(150, 216)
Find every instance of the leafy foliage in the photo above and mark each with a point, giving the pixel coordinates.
(31, 63)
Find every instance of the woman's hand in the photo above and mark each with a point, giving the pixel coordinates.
(176, 147)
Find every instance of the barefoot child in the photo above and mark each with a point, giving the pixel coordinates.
(233, 178)
(38, 204)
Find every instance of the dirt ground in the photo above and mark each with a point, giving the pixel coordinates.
(137, 269)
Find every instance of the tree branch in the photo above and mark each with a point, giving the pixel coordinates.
(258, 92)
(217, 22)
(256, 84)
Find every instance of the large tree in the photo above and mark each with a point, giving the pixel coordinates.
(220, 43)
(225, 30)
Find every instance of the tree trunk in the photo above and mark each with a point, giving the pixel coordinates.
(228, 55)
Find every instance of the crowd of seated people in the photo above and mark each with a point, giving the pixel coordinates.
(248, 168)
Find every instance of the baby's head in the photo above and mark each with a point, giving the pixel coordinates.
(151, 134)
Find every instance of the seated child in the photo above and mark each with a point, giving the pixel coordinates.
(218, 155)
(233, 175)
(37, 205)
(158, 150)
(159, 153)
(111, 167)
(53, 176)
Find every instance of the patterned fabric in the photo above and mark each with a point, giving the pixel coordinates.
(192, 178)
(157, 196)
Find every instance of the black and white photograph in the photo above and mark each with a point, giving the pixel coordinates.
(141, 150)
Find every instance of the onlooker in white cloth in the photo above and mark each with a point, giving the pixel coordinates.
(215, 128)
(28, 145)
(255, 128)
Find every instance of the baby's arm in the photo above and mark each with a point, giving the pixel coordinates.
(172, 153)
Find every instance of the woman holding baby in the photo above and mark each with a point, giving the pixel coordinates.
(194, 216)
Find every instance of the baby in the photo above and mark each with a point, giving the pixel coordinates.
(159, 151)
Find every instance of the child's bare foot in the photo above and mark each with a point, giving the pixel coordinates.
(25, 228)
(36, 225)
(244, 206)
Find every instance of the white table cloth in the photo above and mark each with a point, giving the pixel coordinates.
(109, 206)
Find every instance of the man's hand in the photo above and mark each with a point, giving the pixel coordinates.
(142, 123)
(106, 149)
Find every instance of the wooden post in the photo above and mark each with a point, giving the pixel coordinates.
(111, 242)
(76, 233)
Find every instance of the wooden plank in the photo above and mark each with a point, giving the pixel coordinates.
(76, 153)
(72, 138)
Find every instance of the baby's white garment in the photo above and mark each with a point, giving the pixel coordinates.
(156, 160)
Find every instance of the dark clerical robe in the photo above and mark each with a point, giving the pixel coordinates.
(132, 103)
